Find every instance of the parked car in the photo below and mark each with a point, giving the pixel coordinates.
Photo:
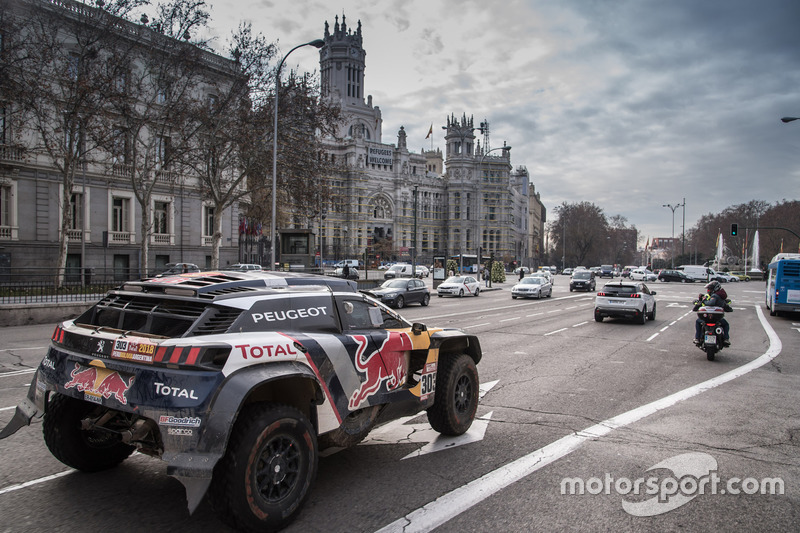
(244, 267)
(582, 280)
(625, 299)
(352, 273)
(674, 275)
(401, 292)
(459, 286)
(740, 275)
(723, 277)
(642, 274)
(174, 269)
(532, 287)
(237, 383)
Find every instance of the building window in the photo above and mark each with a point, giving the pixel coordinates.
(208, 223)
(120, 213)
(2, 125)
(162, 152)
(76, 211)
(161, 217)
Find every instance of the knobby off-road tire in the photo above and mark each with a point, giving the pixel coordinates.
(456, 399)
(85, 450)
(266, 474)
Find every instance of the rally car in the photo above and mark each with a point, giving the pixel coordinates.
(237, 379)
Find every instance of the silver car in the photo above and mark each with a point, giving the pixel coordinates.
(532, 287)
(631, 300)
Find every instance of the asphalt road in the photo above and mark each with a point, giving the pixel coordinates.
(596, 404)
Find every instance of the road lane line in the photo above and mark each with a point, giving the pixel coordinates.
(12, 488)
(556, 331)
(17, 372)
(510, 319)
(535, 314)
(452, 504)
(476, 325)
(651, 337)
(580, 324)
(665, 327)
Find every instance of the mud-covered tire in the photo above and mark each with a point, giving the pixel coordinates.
(82, 449)
(457, 394)
(266, 474)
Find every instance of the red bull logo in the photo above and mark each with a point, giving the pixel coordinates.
(99, 383)
(387, 364)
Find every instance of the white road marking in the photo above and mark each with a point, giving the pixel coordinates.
(651, 337)
(535, 314)
(12, 488)
(579, 324)
(450, 505)
(556, 331)
(17, 372)
(476, 325)
(510, 319)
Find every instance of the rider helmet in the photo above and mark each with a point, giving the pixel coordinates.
(713, 287)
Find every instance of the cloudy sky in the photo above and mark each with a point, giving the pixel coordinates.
(629, 104)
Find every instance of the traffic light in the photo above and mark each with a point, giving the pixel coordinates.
(734, 229)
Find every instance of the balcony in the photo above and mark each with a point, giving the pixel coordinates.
(8, 233)
(12, 154)
(121, 237)
(162, 239)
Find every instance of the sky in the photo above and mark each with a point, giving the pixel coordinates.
(629, 105)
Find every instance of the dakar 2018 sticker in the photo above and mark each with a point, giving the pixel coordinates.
(98, 383)
(133, 349)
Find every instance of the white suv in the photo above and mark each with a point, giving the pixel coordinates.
(625, 299)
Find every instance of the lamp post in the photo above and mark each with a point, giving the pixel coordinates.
(317, 43)
(672, 242)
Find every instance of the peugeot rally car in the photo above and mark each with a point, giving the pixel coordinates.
(237, 379)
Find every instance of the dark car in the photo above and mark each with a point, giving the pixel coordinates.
(236, 380)
(582, 280)
(606, 271)
(179, 268)
(400, 292)
(674, 275)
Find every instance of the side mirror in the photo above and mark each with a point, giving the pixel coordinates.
(418, 327)
(653, 293)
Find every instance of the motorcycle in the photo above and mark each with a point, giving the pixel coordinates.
(713, 335)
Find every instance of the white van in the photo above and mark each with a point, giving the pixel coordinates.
(398, 270)
(696, 272)
(352, 263)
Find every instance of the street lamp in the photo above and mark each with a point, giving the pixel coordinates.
(317, 43)
(672, 242)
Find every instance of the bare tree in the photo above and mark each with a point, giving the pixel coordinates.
(61, 82)
(149, 126)
(583, 228)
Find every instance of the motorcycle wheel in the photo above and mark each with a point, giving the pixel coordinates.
(710, 351)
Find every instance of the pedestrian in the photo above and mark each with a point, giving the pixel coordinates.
(346, 271)
(521, 273)
(486, 276)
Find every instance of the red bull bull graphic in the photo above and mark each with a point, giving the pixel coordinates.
(97, 383)
(388, 364)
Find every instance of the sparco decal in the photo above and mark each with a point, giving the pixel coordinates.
(175, 392)
(98, 383)
(291, 314)
(392, 354)
(270, 350)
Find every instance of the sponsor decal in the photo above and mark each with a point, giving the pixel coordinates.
(98, 383)
(180, 432)
(175, 392)
(291, 314)
(132, 349)
(270, 350)
(48, 363)
(387, 364)
(183, 421)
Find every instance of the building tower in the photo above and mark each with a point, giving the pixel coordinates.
(342, 65)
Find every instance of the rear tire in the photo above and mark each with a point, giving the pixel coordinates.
(643, 316)
(266, 474)
(652, 316)
(456, 399)
(710, 351)
(426, 300)
(82, 449)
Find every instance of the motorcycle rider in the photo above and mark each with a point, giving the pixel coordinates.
(715, 297)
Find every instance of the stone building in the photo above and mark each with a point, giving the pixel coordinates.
(389, 201)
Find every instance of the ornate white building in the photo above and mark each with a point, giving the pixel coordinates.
(388, 201)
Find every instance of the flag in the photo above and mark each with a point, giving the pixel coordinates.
(430, 132)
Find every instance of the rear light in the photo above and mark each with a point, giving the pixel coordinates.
(601, 294)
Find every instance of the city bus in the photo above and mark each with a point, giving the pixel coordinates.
(783, 284)
(468, 263)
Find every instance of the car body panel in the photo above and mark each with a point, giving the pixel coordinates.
(624, 299)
